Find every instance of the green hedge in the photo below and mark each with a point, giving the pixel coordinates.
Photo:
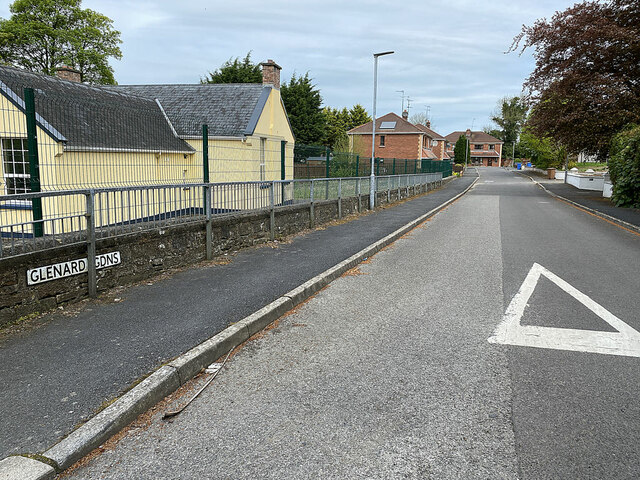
(624, 168)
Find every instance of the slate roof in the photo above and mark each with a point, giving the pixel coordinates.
(402, 126)
(229, 109)
(476, 137)
(85, 116)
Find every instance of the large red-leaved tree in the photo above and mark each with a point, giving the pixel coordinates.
(586, 84)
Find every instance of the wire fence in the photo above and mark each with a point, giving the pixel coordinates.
(80, 216)
(311, 162)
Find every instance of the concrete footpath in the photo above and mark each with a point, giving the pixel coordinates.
(591, 200)
(60, 370)
(385, 374)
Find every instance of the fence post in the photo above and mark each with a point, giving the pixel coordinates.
(92, 281)
(357, 165)
(377, 169)
(34, 162)
(312, 219)
(209, 233)
(272, 213)
(358, 194)
(326, 193)
(283, 167)
(393, 170)
(205, 153)
(340, 198)
(415, 167)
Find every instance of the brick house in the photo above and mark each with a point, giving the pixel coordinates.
(396, 137)
(485, 149)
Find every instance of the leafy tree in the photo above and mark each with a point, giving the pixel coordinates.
(338, 122)
(41, 35)
(459, 150)
(624, 168)
(542, 151)
(510, 116)
(235, 70)
(586, 83)
(302, 100)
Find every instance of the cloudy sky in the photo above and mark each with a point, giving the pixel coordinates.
(449, 56)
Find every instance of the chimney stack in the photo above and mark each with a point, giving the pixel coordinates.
(405, 115)
(271, 73)
(68, 73)
(428, 123)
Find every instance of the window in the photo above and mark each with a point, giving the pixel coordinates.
(477, 147)
(492, 147)
(15, 159)
(263, 148)
(382, 140)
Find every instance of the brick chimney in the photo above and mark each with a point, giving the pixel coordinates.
(428, 123)
(405, 115)
(271, 73)
(68, 73)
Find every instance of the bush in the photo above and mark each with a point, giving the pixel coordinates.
(624, 168)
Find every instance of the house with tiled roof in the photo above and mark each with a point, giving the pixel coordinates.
(398, 138)
(436, 143)
(103, 136)
(485, 149)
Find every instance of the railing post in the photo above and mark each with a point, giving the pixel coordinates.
(358, 194)
(327, 172)
(209, 227)
(34, 161)
(272, 213)
(92, 281)
(388, 189)
(205, 191)
(340, 198)
(283, 167)
(312, 219)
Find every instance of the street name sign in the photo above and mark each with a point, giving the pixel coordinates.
(72, 267)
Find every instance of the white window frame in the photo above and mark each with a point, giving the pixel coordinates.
(25, 167)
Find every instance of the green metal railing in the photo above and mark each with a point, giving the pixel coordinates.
(310, 161)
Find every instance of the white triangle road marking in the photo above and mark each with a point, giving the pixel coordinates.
(625, 342)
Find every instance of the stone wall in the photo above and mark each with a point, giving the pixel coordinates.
(148, 253)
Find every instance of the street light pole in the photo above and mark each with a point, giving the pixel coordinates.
(372, 186)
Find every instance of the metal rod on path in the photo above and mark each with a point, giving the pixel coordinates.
(176, 412)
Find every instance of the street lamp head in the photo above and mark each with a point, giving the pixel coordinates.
(382, 53)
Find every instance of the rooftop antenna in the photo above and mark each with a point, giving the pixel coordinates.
(408, 104)
(472, 122)
(401, 91)
(428, 112)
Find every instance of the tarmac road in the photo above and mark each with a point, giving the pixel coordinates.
(390, 374)
(58, 374)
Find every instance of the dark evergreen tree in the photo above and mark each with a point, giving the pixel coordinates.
(459, 150)
(303, 103)
(236, 71)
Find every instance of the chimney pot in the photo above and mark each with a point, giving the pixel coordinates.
(67, 73)
(428, 123)
(271, 73)
(405, 115)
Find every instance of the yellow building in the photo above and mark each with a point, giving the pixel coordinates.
(117, 136)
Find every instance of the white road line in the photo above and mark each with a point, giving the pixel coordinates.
(625, 342)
